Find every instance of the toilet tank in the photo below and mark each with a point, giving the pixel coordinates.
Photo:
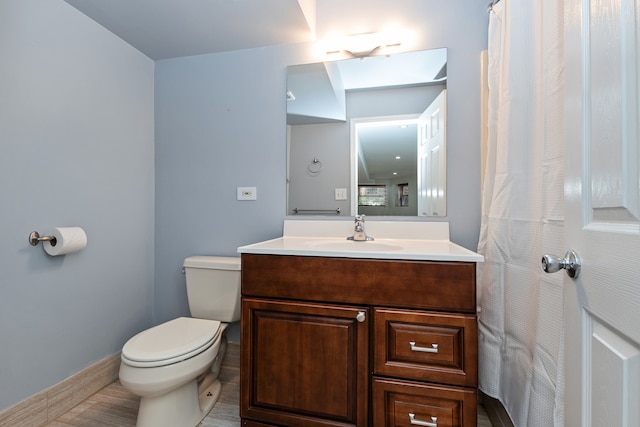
(213, 287)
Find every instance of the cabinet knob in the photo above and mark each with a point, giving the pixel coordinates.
(361, 316)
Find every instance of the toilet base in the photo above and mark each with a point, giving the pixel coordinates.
(185, 406)
(161, 405)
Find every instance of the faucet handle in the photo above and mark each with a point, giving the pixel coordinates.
(359, 234)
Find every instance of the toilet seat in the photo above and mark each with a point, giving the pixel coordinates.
(170, 342)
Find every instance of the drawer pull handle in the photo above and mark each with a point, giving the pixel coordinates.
(413, 421)
(414, 347)
(361, 316)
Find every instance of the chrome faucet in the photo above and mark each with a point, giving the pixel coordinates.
(359, 234)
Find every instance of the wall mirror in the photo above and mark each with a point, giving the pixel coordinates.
(368, 136)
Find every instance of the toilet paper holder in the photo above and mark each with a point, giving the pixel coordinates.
(35, 238)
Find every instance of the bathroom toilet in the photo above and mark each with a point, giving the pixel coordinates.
(174, 366)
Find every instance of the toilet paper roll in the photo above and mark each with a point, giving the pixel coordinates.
(67, 240)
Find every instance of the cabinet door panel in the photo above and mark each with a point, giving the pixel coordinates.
(307, 364)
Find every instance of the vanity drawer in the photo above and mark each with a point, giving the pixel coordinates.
(396, 403)
(426, 346)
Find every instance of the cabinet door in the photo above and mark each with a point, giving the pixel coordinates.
(304, 364)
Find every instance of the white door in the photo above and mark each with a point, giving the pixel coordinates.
(602, 223)
(432, 136)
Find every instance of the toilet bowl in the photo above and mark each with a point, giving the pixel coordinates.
(174, 366)
(176, 383)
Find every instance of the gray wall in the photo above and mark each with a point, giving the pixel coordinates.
(76, 140)
(329, 143)
(219, 126)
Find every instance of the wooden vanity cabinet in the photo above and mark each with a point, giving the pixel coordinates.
(357, 342)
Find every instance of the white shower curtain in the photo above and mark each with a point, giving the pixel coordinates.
(520, 317)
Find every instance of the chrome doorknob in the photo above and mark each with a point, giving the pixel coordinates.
(571, 263)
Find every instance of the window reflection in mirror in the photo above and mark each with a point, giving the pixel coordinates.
(335, 112)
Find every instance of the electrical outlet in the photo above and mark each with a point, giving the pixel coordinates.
(341, 194)
(247, 193)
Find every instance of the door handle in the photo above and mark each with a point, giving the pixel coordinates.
(571, 263)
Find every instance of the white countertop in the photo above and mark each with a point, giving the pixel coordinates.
(393, 240)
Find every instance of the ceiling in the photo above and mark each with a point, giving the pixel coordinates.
(315, 92)
(164, 29)
(168, 28)
(388, 152)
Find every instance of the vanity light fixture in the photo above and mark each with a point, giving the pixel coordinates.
(363, 45)
(397, 157)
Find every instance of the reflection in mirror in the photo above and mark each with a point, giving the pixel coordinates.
(349, 120)
(385, 162)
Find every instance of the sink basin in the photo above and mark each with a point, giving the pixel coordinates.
(353, 246)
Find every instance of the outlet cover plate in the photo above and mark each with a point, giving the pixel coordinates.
(247, 193)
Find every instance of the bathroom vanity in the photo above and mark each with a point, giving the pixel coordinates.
(340, 335)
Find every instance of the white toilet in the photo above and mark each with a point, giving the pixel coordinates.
(174, 366)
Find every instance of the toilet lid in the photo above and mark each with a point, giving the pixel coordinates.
(170, 342)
